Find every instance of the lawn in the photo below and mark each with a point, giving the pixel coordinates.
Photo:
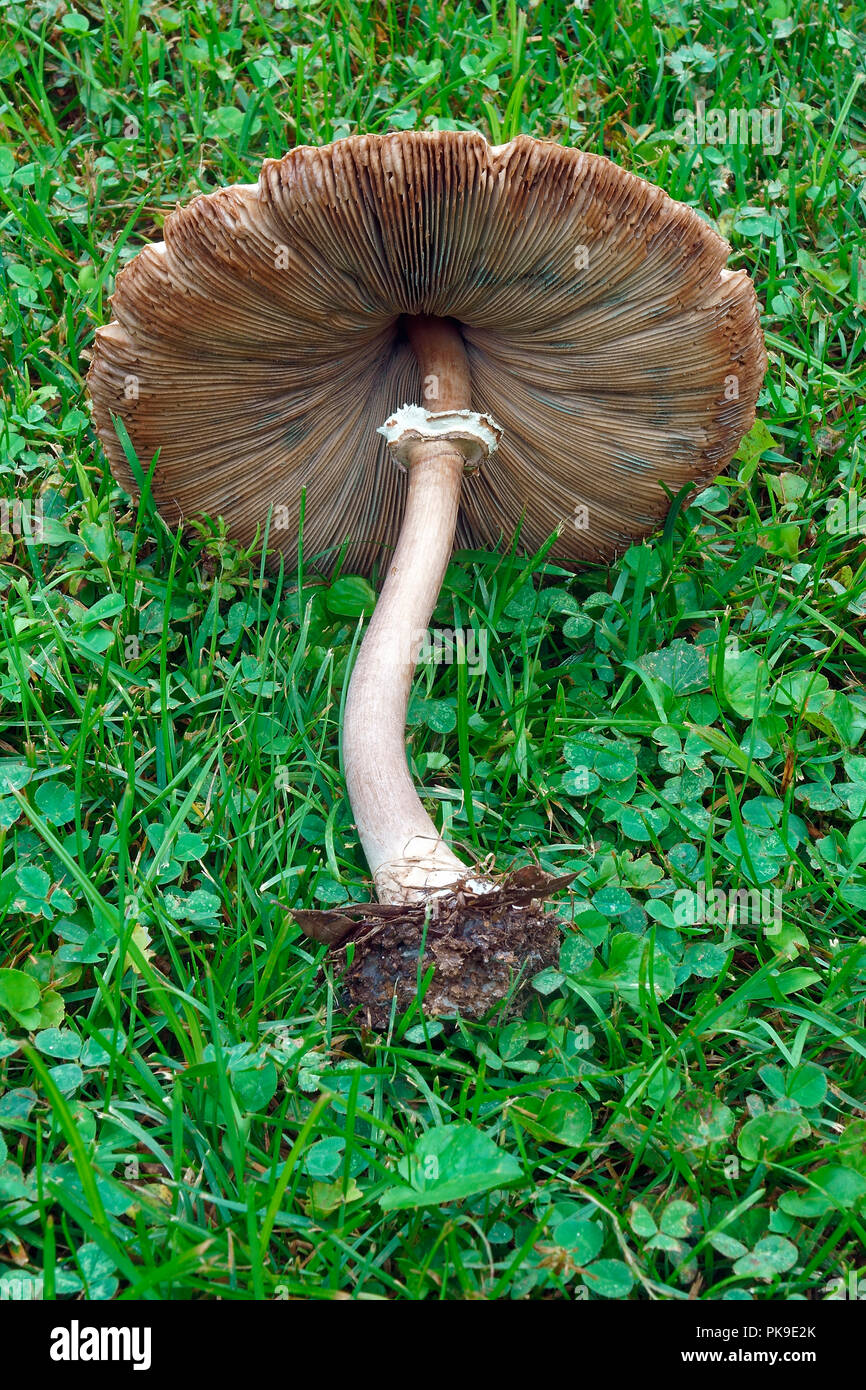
(187, 1108)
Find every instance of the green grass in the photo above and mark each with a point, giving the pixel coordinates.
(186, 1111)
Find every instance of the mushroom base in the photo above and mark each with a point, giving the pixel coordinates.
(479, 941)
(477, 952)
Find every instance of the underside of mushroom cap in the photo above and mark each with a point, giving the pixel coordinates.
(263, 344)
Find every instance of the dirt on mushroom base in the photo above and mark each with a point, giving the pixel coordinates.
(477, 943)
(477, 954)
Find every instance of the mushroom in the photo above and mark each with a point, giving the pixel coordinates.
(434, 337)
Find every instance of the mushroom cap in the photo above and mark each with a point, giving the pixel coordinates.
(260, 347)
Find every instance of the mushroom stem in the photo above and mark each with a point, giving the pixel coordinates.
(408, 858)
